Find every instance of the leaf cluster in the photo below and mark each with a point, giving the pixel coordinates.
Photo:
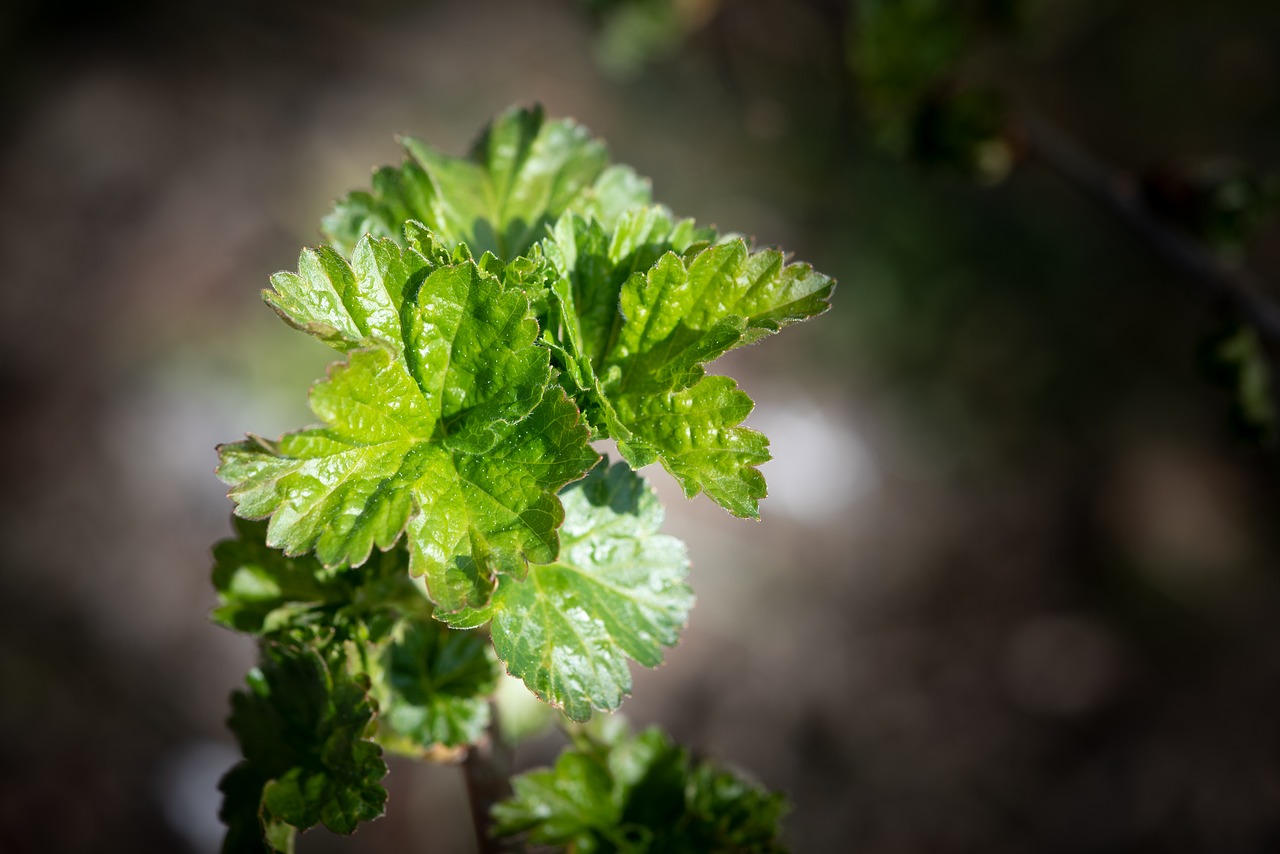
(495, 314)
(613, 792)
(351, 663)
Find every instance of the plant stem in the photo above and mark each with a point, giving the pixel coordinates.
(487, 771)
(1118, 193)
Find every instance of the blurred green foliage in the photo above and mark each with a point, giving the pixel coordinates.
(634, 33)
(1225, 203)
(907, 57)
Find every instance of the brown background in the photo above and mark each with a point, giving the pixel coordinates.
(1017, 585)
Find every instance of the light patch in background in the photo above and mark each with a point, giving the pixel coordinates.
(820, 464)
(208, 392)
(187, 786)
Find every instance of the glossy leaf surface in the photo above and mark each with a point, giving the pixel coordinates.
(639, 370)
(611, 792)
(456, 422)
(496, 312)
(520, 176)
(617, 592)
(437, 683)
(348, 304)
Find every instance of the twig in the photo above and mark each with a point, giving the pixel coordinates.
(1119, 193)
(487, 771)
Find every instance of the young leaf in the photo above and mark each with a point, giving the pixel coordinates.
(520, 176)
(358, 304)
(640, 368)
(617, 592)
(449, 433)
(432, 683)
(593, 262)
(639, 793)
(301, 727)
(436, 686)
(696, 434)
(347, 305)
(262, 591)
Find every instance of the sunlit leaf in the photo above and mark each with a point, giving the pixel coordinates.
(639, 368)
(520, 176)
(617, 592)
(450, 432)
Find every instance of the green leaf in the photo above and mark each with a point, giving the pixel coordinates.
(617, 592)
(347, 305)
(639, 794)
(732, 814)
(638, 369)
(1239, 361)
(241, 812)
(359, 304)
(432, 683)
(262, 591)
(301, 726)
(594, 261)
(588, 269)
(697, 436)
(449, 432)
(567, 805)
(519, 177)
(437, 684)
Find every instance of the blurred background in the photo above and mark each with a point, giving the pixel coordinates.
(1017, 584)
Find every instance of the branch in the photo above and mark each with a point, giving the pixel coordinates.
(487, 771)
(1117, 192)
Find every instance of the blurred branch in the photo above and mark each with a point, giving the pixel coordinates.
(1120, 194)
(487, 774)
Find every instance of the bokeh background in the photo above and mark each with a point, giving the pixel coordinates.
(1017, 584)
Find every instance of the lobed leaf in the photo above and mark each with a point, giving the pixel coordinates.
(617, 592)
(302, 727)
(452, 422)
(520, 176)
(697, 435)
(346, 305)
(593, 262)
(432, 683)
(262, 591)
(483, 349)
(436, 687)
(639, 794)
(638, 371)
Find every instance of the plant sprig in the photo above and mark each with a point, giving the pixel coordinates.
(496, 313)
